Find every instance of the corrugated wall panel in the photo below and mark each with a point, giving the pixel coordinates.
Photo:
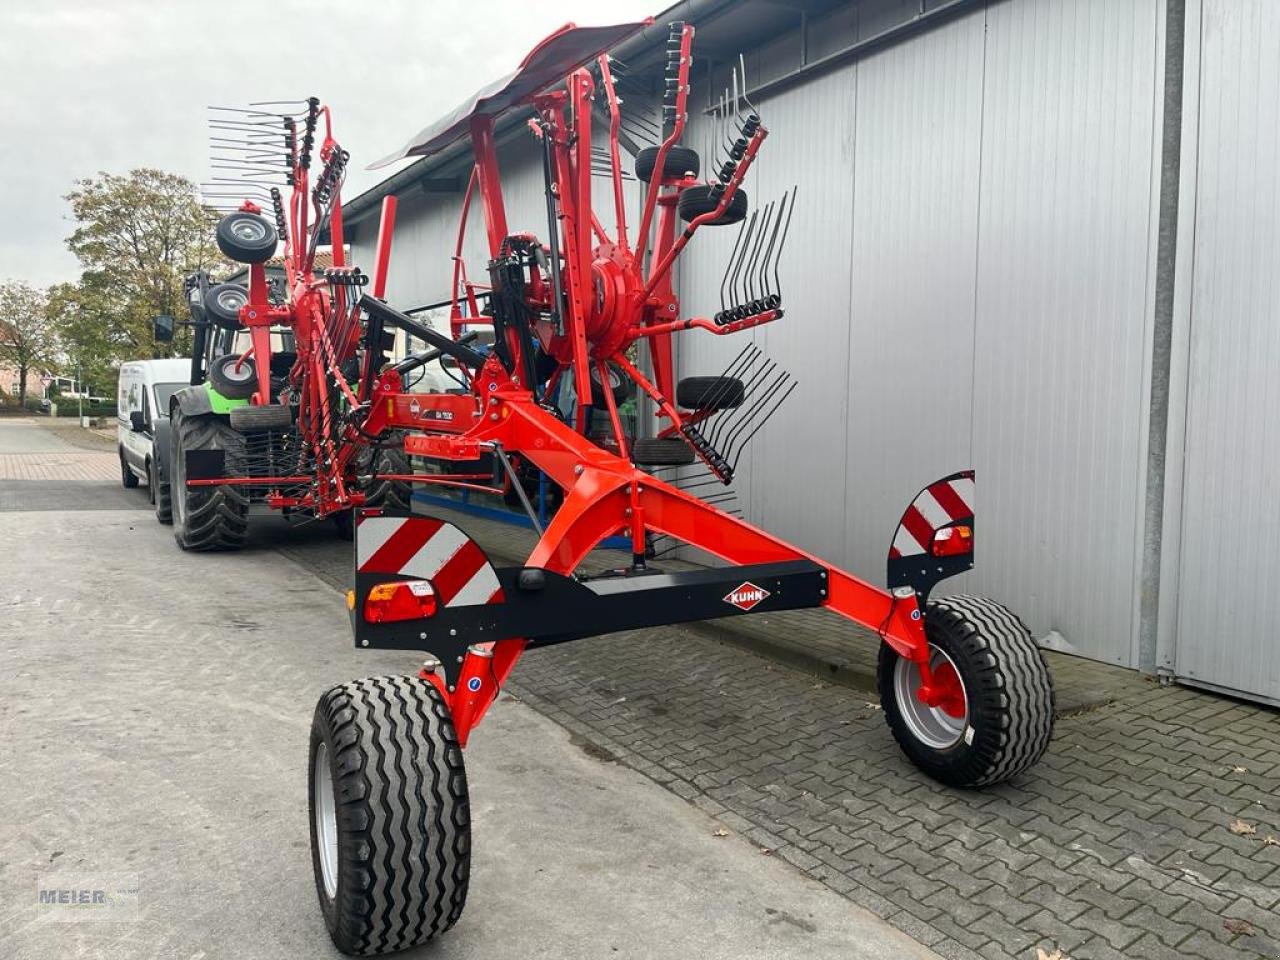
(1228, 602)
(911, 279)
(1061, 313)
(797, 461)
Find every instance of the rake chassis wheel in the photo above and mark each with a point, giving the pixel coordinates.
(992, 716)
(390, 815)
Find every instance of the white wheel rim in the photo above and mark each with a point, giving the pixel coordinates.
(326, 818)
(232, 300)
(250, 231)
(932, 726)
(236, 376)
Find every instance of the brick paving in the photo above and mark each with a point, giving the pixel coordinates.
(1118, 844)
(43, 449)
(80, 465)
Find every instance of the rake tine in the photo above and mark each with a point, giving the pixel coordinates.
(743, 61)
(760, 374)
(768, 254)
(765, 219)
(761, 411)
(777, 282)
(742, 255)
(747, 439)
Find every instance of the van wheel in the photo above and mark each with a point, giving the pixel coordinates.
(159, 493)
(205, 518)
(128, 479)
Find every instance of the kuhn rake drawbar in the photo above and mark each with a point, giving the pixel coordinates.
(964, 687)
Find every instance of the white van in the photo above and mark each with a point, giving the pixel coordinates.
(143, 425)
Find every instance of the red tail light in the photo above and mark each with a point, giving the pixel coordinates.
(952, 541)
(402, 600)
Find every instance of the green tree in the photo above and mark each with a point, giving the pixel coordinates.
(28, 338)
(86, 318)
(137, 236)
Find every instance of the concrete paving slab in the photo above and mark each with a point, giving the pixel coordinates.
(155, 722)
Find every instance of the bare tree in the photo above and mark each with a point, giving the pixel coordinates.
(28, 339)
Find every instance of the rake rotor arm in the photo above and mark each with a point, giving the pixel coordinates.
(677, 129)
(705, 323)
(726, 197)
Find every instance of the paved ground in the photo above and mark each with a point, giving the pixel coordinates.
(1119, 844)
(1132, 839)
(155, 741)
(30, 450)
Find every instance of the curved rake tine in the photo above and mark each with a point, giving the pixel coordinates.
(747, 439)
(733, 284)
(768, 253)
(759, 375)
(733, 256)
(777, 282)
(743, 61)
(755, 415)
(765, 220)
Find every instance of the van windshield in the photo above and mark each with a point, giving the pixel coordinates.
(163, 392)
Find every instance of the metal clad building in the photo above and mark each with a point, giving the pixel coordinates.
(1001, 258)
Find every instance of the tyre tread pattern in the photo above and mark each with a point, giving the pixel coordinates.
(1010, 690)
(216, 517)
(403, 813)
(390, 494)
(661, 452)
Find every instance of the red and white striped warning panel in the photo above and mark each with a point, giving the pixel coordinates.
(428, 549)
(938, 505)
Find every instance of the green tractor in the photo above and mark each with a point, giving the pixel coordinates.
(214, 417)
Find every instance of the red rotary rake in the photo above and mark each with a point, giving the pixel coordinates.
(963, 685)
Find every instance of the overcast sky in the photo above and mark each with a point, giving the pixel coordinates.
(117, 84)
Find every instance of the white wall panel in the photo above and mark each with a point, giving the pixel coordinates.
(1062, 313)
(1228, 604)
(911, 280)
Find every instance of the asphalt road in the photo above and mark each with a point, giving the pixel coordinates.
(155, 707)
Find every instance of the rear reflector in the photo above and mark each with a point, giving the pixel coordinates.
(402, 600)
(952, 541)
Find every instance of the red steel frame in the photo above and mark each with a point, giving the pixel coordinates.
(608, 303)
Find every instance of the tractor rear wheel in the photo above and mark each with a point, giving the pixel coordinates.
(205, 518)
(995, 716)
(390, 494)
(390, 815)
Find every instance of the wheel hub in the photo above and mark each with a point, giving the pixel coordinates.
(937, 713)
